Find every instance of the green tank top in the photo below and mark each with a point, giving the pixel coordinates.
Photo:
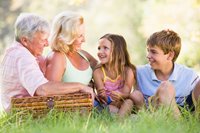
(74, 75)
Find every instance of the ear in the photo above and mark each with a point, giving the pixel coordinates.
(170, 55)
(24, 41)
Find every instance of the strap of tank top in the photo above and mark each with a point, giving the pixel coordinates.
(104, 74)
(82, 55)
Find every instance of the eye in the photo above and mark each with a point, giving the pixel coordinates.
(106, 48)
(98, 48)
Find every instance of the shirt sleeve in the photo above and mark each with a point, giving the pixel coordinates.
(30, 74)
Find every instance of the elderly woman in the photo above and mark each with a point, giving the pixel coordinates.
(20, 72)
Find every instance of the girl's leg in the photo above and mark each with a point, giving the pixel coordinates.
(138, 99)
(126, 108)
(113, 109)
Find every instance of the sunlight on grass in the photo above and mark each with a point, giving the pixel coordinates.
(143, 122)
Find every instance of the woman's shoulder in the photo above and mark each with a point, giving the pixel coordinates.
(55, 56)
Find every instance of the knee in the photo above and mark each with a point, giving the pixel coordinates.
(128, 102)
(166, 89)
(137, 97)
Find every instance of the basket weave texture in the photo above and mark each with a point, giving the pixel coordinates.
(40, 105)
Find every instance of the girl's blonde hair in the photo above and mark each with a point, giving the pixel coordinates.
(119, 55)
(64, 31)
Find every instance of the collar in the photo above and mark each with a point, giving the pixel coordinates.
(172, 77)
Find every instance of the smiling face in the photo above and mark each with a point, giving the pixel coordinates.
(104, 50)
(37, 43)
(156, 57)
(80, 38)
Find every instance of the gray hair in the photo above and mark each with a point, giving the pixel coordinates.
(27, 24)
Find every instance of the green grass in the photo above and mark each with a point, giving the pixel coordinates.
(144, 122)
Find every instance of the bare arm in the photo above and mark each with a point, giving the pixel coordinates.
(56, 88)
(92, 60)
(55, 66)
(98, 81)
(125, 91)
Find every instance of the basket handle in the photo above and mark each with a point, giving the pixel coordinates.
(50, 103)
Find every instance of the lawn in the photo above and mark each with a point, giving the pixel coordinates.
(144, 122)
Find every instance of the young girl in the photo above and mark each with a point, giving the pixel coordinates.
(115, 76)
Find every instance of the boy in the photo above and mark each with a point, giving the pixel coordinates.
(162, 81)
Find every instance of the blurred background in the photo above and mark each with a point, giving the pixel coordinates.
(136, 20)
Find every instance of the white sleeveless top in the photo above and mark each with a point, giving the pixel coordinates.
(74, 75)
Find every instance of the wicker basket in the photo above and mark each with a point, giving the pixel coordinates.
(41, 105)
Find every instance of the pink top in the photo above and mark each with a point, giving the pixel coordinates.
(110, 84)
(20, 74)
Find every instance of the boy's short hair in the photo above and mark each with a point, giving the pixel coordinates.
(167, 40)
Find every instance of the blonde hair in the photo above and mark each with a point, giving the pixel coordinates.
(64, 31)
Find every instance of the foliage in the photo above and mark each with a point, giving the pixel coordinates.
(135, 20)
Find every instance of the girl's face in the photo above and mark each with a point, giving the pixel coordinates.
(104, 50)
(156, 57)
(80, 38)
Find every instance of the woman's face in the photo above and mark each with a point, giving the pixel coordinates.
(80, 38)
(104, 50)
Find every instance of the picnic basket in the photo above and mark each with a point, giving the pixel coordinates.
(41, 105)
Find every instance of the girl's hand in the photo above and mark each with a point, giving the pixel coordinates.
(102, 96)
(116, 96)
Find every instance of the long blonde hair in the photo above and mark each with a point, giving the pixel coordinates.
(64, 31)
(119, 55)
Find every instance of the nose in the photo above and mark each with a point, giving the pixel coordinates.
(148, 56)
(46, 44)
(83, 39)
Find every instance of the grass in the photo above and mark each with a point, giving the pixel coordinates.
(143, 122)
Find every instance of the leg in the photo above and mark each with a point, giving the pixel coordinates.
(196, 96)
(165, 95)
(125, 108)
(113, 109)
(138, 99)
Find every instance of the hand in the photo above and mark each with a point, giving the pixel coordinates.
(88, 89)
(102, 96)
(116, 96)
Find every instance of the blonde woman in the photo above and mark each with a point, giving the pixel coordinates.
(68, 62)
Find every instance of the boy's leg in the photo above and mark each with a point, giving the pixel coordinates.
(125, 108)
(196, 96)
(138, 99)
(165, 96)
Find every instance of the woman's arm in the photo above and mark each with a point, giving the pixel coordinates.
(92, 60)
(56, 63)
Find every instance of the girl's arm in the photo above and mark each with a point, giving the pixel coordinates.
(56, 63)
(125, 91)
(99, 85)
(92, 60)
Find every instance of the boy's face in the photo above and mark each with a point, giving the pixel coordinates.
(156, 57)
